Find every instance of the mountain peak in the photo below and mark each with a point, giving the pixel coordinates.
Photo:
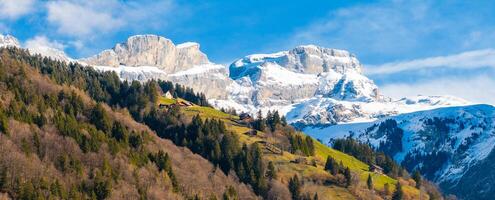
(151, 50)
(9, 41)
(308, 59)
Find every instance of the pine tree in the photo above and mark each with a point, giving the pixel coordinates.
(3, 178)
(331, 166)
(100, 119)
(398, 194)
(4, 123)
(284, 121)
(119, 132)
(417, 178)
(316, 196)
(348, 177)
(260, 123)
(295, 187)
(369, 182)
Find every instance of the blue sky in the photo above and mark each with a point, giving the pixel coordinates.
(408, 47)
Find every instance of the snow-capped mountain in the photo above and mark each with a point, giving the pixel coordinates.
(11, 41)
(315, 86)
(51, 53)
(283, 80)
(445, 144)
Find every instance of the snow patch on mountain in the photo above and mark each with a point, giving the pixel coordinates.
(199, 69)
(9, 41)
(34, 48)
(329, 111)
(141, 73)
(457, 137)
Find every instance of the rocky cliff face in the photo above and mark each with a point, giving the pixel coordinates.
(144, 57)
(288, 77)
(151, 50)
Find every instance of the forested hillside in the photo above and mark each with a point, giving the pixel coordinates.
(57, 142)
(69, 132)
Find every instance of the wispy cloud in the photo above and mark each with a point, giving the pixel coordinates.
(43, 41)
(396, 30)
(93, 18)
(82, 18)
(85, 24)
(13, 9)
(469, 75)
(478, 89)
(465, 60)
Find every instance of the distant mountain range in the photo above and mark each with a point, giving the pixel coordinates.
(323, 92)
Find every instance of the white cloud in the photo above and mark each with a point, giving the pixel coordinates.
(13, 9)
(82, 19)
(43, 41)
(465, 60)
(477, 89)
(92, 18)
(400, 29)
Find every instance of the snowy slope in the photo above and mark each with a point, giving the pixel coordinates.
(9, 41)
(328, 111)
(442, 143)
(51, 53)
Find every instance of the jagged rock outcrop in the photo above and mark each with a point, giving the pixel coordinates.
(151, 50)
(308, 59)
(210, 79)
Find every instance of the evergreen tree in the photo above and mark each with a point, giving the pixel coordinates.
(102, 187)
(284, 121)
(119, 132)
(100, 119)
(3, 178)
(417, 178)
(4, 123)
(369, 182)
(348, 177)
(331, 166)
(398, 194)
(295, 187)
(230, 194)
(259, 123)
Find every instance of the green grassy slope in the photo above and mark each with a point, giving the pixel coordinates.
(287, 168)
